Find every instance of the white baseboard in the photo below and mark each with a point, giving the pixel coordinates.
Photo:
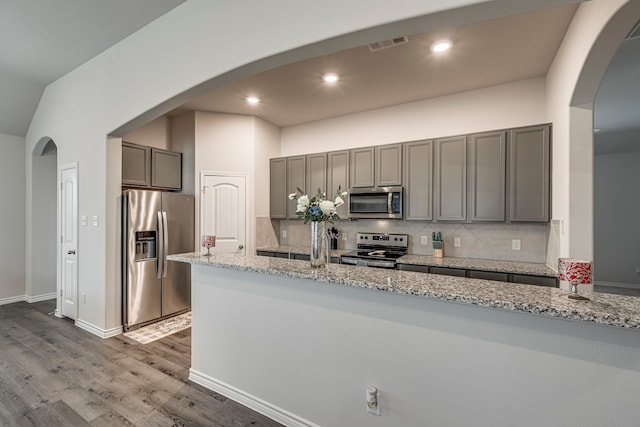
(265, 408)
(38, 298)
(27, 298)
(617, 285)
(102, 333)
(11, 300)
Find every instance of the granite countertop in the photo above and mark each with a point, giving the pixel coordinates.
(513, 267)
(605, 309)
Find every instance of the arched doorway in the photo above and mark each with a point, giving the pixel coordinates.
(41, 277)
(582, 203)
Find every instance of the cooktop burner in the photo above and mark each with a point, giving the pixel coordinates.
(376, 246)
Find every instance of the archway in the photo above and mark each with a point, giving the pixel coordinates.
(581, 123)
(42, 266)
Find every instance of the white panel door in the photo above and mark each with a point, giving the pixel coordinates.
(69, 241)
(223, 211)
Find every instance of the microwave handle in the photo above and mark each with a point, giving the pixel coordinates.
(389, 199)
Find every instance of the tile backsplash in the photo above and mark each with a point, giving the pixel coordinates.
(484, 241)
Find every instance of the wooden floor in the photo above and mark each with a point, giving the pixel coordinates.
(53, 373)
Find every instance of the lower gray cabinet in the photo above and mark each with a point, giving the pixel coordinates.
(445, 271)
(529, 164)
(489, 275)
(535, 280)
(413, 267)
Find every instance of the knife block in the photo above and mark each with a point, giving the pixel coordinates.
(439, 253)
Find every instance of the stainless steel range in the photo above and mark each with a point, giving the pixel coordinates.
(377, 250)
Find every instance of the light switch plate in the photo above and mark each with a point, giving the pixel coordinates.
(515, 244)
(284, 234)
(424, 240)
(95, 220)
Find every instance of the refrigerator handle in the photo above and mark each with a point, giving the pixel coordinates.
(165, 244)
(161, 248)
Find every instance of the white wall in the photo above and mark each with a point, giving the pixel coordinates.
(312, 349)
(616, 212)
(43, 277)
(12, 219)
(514, 104)
(155, 134)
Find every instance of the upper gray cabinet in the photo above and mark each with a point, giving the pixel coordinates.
(316, 174)
(418, 179)
(529, 164)
(338, 177)
(487, 176)
(388, 169)
(362, 167)
(379, 166)
(450, 185)
(136, 165)
(151, 167)
(296, 178)
(166, 169)
(278, 200)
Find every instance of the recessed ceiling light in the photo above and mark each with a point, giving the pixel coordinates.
(330, 78)
(253, 100)
(441, 46)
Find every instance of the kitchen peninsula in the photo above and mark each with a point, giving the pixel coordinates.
(302, 345)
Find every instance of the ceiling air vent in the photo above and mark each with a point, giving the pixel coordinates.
(635, 32)
(385, 44)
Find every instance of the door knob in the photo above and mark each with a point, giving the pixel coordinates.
(241, 247)
(71, 252)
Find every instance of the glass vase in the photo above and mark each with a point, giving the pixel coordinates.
(318, 254)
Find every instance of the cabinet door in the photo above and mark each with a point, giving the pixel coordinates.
(388, 165)
(361, 167)
(136, 168)
(317, 174)
(296, 178)
(338, 176)
(278, 201)
(451, 179)
(418, 161)
(487, 176)
(529, 174)
(166, 169)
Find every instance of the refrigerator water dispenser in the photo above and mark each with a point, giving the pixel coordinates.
(145, 245)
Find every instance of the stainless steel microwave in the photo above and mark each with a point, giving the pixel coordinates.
(375, 202)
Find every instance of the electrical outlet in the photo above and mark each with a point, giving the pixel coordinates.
(424, 240)
(515, 244)
(284, 234)
(344, 236)
(373, 404)
(456, 242)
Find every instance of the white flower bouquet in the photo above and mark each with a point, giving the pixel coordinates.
(318, 208)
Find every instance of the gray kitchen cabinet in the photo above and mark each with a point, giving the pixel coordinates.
(413, 267)
(316, 174)
(296, 178)
(450, 182)
(551, 282)
(418, 179)
(388, 166)
(487, 176)
(338, 176)
(447, 271)
(529, 165)
(489, 275)
(166, 169)
(136, 165)
(278, 200)
(362, 167)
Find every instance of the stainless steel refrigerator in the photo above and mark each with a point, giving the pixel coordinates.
(155, 224)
